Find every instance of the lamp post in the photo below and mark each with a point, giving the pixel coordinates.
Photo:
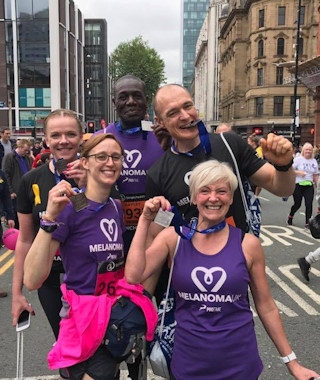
(296, 105)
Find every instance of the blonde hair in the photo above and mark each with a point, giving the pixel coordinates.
(305, 146)
(209, 172)
(64, 113)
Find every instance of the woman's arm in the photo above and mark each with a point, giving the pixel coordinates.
(266, 307)
(141, 263)
(25, 238)
(39, 260)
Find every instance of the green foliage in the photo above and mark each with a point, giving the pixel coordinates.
(137, 58)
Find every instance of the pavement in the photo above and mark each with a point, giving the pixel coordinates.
(123, 376)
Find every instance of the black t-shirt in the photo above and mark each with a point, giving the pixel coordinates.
(169, 176)
(40, 180)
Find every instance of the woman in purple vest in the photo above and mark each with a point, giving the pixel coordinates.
(213, 268)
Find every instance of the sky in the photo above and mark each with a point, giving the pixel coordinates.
(158, 22)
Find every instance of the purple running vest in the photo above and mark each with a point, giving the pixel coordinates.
(214, 337)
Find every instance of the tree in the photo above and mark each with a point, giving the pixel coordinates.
(137, 58)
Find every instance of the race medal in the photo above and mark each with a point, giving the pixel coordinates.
(109, 272)
(61, 165)
(164, 218)
(79, 201)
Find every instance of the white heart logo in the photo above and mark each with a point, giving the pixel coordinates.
(110, 229)
(130, 161)
(187, 178)
(207, 278)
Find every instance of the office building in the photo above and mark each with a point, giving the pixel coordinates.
(206, 84)
(97, 106)
(194, 12)
(41, 62)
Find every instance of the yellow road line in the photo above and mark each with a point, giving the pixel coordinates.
(5, 255)
(6, 266)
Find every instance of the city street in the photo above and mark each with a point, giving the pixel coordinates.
(299, 303)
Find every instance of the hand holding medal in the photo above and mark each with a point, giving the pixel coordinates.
(154, 207)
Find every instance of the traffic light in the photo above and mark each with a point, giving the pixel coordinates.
(257, 131)
(90, 126)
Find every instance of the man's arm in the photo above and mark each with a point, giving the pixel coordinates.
(7, 168)
(278, 178)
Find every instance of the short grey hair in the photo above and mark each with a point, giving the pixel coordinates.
(209, 172)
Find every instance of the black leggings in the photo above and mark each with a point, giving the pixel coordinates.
(50, 298)
(306, 192)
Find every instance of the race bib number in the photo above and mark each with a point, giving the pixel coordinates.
(132, 211)
(109, 272)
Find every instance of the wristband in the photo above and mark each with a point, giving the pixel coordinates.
(48, 226)
(45, 217)
(283, 168)
(288, 358)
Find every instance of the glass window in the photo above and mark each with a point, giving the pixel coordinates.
(280, 46)
(261, 18)
(281, 15)
(260, 48)
(278, 106)
(259, 106)
(301, 42)
(40, 8)
(29, 9)
(7, 9)
(24, 9)
(279, 75)
(260, 77)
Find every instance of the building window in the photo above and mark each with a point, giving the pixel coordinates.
(279, 76)
(281, 15)
(260, 48)
(300, 47)
(261, 18)
(280, 46)
(259, 106)
(260, 77)
(278, 106)
(302, 14)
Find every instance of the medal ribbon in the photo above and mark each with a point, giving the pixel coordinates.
(178, 221)
(204, 142)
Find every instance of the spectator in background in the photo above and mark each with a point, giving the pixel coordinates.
(223, 128)
(44, 158)
(36, 149)
(306, 169)
(6, 211)
(15, 165)
(6, 145)
(37, 158)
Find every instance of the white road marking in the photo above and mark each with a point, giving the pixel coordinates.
(291, 293)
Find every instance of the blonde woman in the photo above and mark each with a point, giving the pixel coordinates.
(306, 169)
